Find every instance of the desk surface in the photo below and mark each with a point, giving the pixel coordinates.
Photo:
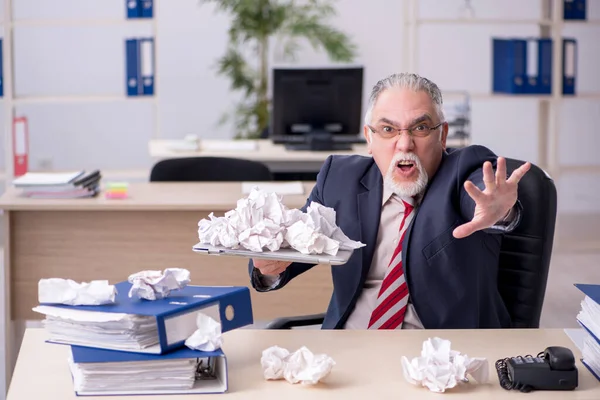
(151, 196)
(260, 150)
(367, 364)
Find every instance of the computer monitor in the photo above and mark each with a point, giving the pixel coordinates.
(317, 108)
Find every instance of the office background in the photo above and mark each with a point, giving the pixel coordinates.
(69, 79)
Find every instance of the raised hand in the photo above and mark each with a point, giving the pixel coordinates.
(495, 201)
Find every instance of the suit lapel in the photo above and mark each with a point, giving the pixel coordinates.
(406, 241)
(369, 213)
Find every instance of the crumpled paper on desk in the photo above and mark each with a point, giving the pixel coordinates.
(69, 292)
(153, 285)
(207, 337)
(439, 368)
(261, 221)
(301, 366)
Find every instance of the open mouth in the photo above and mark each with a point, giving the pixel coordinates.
(406, 167)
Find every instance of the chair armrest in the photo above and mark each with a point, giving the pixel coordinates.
(300, 320)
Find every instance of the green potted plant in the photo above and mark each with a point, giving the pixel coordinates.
(255, 24)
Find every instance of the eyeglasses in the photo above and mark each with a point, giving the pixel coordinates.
(420, 130)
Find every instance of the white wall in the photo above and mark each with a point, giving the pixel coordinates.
(89, 60)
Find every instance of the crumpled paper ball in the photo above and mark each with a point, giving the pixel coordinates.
(207, 337)
(439, 368)
(153, 285)
(261, 221)
(69, 292)
(301, 366)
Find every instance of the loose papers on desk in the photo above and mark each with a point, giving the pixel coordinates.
(301, 366)
(439, 368)
(589, 318)
(54, 185)
(182, 371)
(139, 325)
(261, 221)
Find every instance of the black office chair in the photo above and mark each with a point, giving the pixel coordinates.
(209, 169)
(524, 256)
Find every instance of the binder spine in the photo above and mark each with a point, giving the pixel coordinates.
(1, 69)
(518, 56)
(236, 310)
(544, 66)
(132, 9)
(146, 53)
(233, 311)
(532, 84)
(132, 67)
(574, 9)
(569, 72)
(501, 66)
(146, 8)
(162, 335)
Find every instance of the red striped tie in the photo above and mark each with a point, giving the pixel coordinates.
(393, 294)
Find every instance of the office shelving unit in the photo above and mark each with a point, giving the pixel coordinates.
(551, 25)
(10, 101)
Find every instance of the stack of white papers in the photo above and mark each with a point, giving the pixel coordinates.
(149, 376)
(100, 329)
(589, 318)
(62, 185)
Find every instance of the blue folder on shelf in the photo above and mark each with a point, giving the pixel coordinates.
(539, 66)
(166, 323)
(132, 8)
(146, 9)
(182, 371)
(509, 66)
(132, 67)
(574, 9)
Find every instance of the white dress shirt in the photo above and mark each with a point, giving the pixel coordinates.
(392, 212)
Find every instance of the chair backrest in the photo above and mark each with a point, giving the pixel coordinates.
(209, 169)
(525, 252)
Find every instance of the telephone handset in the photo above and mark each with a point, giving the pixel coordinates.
(552, 369)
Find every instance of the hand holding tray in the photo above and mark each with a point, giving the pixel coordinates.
(286, 254)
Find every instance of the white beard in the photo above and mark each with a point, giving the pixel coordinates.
(406, 189)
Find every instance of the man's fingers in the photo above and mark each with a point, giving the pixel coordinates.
(488, 176)
(270, 267)
(518, 173)
(465, 230)
(500, 171)
(473, 191)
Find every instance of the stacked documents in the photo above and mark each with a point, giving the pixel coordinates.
(589, 319)
(106, 372)
(143, 326)
(63, 185)
(99, 329)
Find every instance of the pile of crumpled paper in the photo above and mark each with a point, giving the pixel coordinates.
(261, 221)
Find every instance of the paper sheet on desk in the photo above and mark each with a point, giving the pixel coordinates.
(279, 188)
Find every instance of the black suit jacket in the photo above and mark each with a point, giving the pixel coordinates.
(452, 282)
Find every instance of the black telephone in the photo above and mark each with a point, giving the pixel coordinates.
(552, 369)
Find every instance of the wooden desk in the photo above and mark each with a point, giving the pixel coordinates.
(368, 365)
(86, 239)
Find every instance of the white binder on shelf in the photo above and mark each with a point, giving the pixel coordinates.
(147, 65)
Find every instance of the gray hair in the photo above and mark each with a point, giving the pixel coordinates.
(406, 81)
